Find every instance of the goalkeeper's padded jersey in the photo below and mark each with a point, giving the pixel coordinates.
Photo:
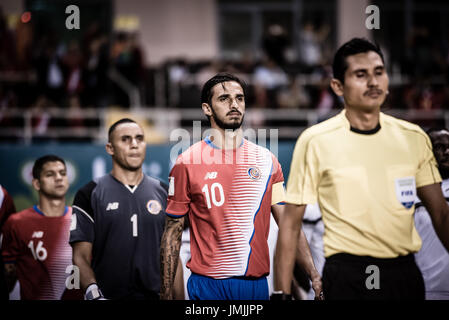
(227, 195)
(39, 247)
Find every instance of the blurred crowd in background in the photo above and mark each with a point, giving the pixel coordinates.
(41, 71)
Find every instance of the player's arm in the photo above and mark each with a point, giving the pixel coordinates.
(10, 275)
(170, 246)
(82, 235)
(435, 203)
(303, 254)
(305, 260)
(82, 257)
(178, 286)
(286, 248)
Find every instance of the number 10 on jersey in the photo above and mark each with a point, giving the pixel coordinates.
(212, 195)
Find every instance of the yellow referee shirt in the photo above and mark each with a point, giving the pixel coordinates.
(365, 184)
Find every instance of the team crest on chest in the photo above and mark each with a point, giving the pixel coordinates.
(154, 206)
(254, 173)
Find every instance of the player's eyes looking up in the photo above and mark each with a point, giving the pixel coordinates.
(224, 98)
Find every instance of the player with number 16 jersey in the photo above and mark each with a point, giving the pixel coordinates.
(38, 245)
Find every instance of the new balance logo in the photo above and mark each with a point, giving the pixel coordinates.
(210, 175)
(37, 234)
(112, 206)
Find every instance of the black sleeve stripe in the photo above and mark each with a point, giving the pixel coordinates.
(81, 210)
(82, 200)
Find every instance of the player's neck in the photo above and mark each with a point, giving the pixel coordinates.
(227, 139)
(51, 207)
(127, 177)
(362, 120)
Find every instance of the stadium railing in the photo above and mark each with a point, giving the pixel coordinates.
(19, 126)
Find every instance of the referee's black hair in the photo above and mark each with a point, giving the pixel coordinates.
(115, 124)
(206, 92)
(40, 162)
(350, 48)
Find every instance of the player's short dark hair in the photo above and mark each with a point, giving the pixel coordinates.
(40, 162)
(206, 92)
(350, 48)
(115, 124)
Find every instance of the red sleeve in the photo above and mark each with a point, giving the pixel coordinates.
(10, 242)
(178, 202)
(277, 174)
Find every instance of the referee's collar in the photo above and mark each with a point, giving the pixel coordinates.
(371, 131)
(359, 131)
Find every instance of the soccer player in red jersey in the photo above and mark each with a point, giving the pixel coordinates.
(35, 245)
(227, 186)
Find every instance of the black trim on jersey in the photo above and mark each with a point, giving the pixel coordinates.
(371, 131)
(83, 198)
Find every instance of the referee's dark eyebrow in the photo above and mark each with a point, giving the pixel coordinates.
(376, 68)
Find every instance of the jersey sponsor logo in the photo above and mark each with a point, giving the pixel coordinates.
(171, 186)
(211, 175)
(112, 206)
(406, 191)
(37, 234)
(254, 173)
(154, 206)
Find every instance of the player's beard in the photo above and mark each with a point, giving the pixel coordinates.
(226, 126)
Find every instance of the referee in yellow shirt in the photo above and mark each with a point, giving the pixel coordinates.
(364, 168)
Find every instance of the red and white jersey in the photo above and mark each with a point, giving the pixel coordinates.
(227, 195)
(39, 246)
(6, 206)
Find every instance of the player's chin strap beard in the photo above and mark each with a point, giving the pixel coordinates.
(225, 126)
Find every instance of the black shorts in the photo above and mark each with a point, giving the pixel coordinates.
(350, 277)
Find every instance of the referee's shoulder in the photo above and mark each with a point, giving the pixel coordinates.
(403, 125)
(323, 128)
